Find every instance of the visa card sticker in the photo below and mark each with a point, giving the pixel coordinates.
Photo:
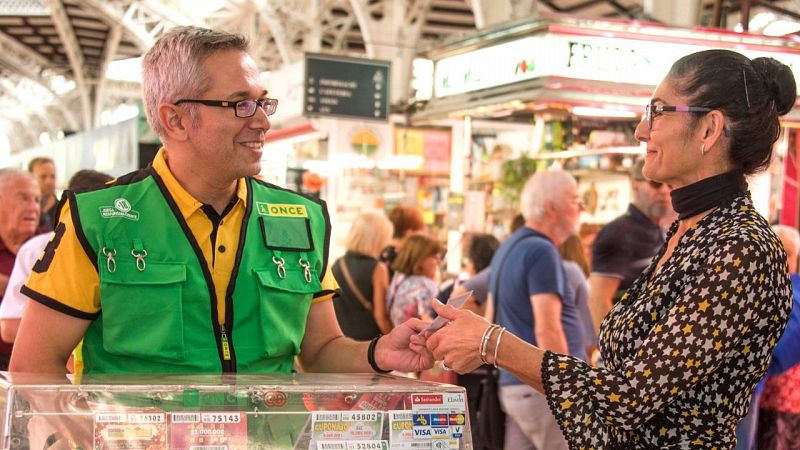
(433, 413)
(407, 432)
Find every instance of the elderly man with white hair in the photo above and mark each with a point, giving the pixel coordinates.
(19, 221)
(529, 290)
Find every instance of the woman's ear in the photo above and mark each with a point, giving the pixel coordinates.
(713, 127)
(171, 118)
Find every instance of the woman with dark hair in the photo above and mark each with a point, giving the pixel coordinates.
(479, 255)
(413, 284)
(406, 220)
(685, 346)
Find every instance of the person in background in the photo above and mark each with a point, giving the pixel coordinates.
(413, 284)
(478, 257)
(685, 346)
(577, 270)
(587, 233)
(228, 273)
(44, 171)
(406, 220)
(363, 280)
(625, 246)
(19, 221)
(779, 402)
(14, 301)
(528, 289)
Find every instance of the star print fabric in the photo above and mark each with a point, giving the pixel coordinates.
(685, 346)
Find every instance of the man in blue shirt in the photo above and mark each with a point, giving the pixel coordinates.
(529, 291)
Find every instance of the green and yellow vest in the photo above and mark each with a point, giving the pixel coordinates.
(158, 312)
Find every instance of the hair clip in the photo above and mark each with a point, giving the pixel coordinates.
(746, 94)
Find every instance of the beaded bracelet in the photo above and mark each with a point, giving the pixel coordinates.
(371, 355)
(497, 345)
(485, 341)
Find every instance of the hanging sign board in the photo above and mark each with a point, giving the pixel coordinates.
(612, 59)
(346, 87)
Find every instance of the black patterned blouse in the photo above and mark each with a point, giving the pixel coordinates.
(685, 346)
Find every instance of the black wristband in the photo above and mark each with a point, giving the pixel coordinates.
(371, 355)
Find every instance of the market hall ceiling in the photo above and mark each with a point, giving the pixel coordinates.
(53, 53)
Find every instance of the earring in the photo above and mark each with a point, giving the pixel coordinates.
(703, 149)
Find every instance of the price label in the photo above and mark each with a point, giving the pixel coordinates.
(360, 416)
(146, 418)
(222, 417)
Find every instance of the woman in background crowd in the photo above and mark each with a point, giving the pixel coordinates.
(413, 284)
(577, 270)
(363, 280)
(406, 219)
(479, 254)
(685, 346)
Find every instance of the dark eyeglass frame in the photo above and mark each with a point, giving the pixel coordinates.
(269, 105)
(651, 111)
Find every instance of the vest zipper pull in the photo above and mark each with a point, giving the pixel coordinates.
(226, 350)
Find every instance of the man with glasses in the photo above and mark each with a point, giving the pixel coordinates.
(624, 247)
(193, 265)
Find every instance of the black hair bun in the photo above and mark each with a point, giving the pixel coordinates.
(780, 82)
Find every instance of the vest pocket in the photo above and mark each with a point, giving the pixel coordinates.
(284, 304)
(142, 312)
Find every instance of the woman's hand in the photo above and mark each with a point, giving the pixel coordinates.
(458, 343)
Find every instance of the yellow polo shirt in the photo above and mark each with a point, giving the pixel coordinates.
(71, 283)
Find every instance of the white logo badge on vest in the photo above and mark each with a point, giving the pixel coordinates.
(281, 210)
(121, 208)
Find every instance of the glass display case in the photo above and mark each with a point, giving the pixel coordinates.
(232, 412)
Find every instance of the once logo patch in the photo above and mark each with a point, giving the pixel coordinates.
(121, 209)
(281, 210)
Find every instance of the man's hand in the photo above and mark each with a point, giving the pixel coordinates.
(403, 349)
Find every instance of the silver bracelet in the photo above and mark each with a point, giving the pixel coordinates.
(497, 345)
(485, 341)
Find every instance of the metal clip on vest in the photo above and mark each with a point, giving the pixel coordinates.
(306, 269)
(140, 264)
(280, 263)
(111, 264)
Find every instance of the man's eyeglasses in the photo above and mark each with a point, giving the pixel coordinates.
(651, 111)
(242, 108)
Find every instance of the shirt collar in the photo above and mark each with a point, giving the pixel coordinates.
(187, 204)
